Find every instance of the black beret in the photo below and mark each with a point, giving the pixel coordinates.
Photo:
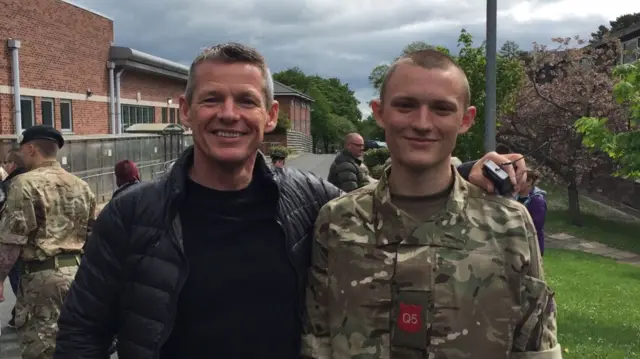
(42, 132)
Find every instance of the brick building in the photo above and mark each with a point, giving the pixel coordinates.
(59, 62)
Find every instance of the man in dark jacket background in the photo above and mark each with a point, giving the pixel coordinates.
(346, 172)
(14, 165)
(211, 260)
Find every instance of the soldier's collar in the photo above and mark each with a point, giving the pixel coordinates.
(393, 225)
(49, 163)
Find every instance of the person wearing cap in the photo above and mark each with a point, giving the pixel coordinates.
(45, 224)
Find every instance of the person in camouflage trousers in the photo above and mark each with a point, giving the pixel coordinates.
(424, 264)
(45, 223)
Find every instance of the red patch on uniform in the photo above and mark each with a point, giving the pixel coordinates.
(410, 318)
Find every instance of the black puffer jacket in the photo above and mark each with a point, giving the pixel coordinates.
(134, 265)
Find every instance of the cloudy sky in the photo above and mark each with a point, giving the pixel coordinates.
(341, 38)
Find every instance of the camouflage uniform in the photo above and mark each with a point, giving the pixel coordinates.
(466, 284)
(47, 213)
(366, 175)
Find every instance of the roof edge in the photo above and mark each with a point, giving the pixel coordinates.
(294, 92)
(126, 53)
(87, 9)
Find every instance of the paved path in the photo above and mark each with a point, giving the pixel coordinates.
(567, 241)
(318, 164)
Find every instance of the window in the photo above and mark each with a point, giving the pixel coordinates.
(173, 115)
(66, 115)
(26, 112)
(132, 115)
(164, 114)
(46, 108)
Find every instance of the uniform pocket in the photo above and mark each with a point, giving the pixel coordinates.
(537, 311)
(473, 313)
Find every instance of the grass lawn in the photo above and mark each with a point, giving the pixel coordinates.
(598, 304)
(600, 223)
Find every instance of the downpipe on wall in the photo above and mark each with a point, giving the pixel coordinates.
(14, 46)
(118, 106)
(112, 99)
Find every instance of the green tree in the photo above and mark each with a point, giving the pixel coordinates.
(472, 59)
(623, 147)
(620, 23)
(370, 130)
(334, 104)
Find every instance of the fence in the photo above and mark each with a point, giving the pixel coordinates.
(93, 158)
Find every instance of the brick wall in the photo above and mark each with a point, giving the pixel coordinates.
(299, 112)
(64, 52)
(151, 88)
(63, 48)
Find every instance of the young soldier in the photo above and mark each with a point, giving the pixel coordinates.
(425, 264)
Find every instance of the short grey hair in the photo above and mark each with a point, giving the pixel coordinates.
(232, 52)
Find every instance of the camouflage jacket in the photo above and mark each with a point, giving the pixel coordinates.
(466, 284)
(48, 211)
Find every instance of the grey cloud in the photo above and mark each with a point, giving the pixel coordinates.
(337, 38)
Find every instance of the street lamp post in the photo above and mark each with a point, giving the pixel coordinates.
(490, 78)
(169, 102)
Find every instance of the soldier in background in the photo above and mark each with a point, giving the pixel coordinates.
(14, 166)
(45, 223)
(424, 264)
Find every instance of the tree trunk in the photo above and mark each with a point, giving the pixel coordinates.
(574, 203)
(326, 145)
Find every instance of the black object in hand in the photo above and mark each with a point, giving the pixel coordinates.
(498, 177)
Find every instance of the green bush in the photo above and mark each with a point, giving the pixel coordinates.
(279, 151)
(376, 171)
(375, 157)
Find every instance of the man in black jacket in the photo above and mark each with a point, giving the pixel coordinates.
(210, 261)
(346, 170)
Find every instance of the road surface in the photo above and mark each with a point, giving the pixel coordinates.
(9, 348)
(318, 164)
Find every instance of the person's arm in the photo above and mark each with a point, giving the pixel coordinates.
(538, 211)
(536, 334)
(87, 322)
(18, 221)
(316, 341)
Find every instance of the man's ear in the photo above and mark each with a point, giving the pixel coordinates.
(376, 111)
(184, 111)
(467, 119)
(272, 117)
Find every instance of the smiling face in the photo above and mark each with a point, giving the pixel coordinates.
(228, 111)
(423, 112)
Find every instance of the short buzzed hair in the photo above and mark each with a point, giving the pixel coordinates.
(47, 148)
(232, 53)
(428, 59)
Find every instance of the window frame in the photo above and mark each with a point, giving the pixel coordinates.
(50, 102)
(70, 128)
(33, 111)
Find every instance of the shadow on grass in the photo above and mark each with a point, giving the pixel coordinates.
(614, 233)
